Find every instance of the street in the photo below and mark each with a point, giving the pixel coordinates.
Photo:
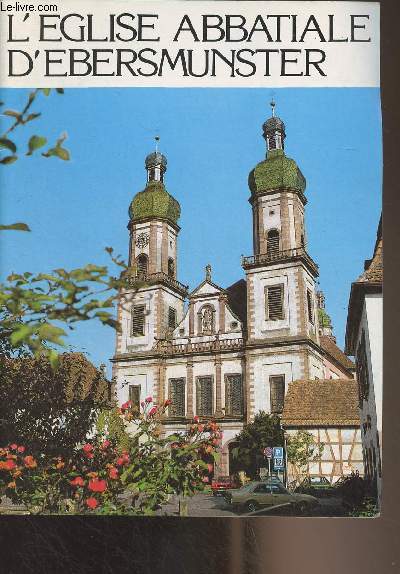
(205, 504)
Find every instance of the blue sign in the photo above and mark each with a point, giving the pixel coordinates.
(278, 451)
(278, 464)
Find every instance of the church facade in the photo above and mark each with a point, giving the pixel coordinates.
(223, 353)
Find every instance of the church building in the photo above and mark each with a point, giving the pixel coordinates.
(224, 353)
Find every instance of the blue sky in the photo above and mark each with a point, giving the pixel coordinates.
(212, 139)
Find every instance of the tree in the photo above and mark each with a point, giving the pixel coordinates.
(301, 450)
(264, 431)
(50, 410)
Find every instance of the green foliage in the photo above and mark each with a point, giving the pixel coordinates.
(33, 308)
(302, 449)
(109, 423)
(49, 408)
(264, 431)
(15, 227)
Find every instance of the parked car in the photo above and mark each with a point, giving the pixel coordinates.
(316, 486)
(223, 483)
(256, 495)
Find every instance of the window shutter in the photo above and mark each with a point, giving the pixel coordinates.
(310, 306)
(142, 265)
(274, 302)
(138, 320)
(273, 242)
(171, 318)
(277, 393)
(134, 397)
(204, 396)
(233, 395)
(177, 396)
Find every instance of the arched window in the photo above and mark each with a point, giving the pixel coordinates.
(206, 320)
(171, 267)
(142, 264)
(273, 242)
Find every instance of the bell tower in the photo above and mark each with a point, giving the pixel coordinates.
(152, 303)
(282, 326)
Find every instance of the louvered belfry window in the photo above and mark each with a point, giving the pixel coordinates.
(273, 243)
(134, 397)
(177, 396)
(277, 393)
(204, 396)
(233, 395)
(310, 306)
(274, 302)
(138, 320)
(142, 265)
(171, 318)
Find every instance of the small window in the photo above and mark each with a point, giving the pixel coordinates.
(142, 264)
(138, 320)
(310, 306)
(204, 396)
(274, 302)
(362, 369)
(177, 396)
(233, 395)
(171, 267)
(134, 397)
(273, 242)
(277, 393)
(171, 318)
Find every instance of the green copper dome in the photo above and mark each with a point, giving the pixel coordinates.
(277, 171)
(154, 201)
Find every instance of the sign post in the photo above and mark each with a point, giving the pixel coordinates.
(268, 453)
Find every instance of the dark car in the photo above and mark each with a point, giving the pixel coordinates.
(221, 484)
(316, 486)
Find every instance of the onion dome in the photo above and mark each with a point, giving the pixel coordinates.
(277, 171)
(154, 201)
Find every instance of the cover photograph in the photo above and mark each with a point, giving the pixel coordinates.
(191, 263)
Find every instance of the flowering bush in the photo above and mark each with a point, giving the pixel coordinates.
(101, 477)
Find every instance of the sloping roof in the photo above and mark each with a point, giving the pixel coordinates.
(374, 268)
(237, 299)
(327, 402)
(330, 348)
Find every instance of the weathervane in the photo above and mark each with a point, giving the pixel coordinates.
(157, 138)
(272, 104)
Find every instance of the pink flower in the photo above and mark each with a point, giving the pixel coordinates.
(91, 502)
(21, 449)
(113, 473)
(105, 444)
(142, 404)
(148, 400)
(152, 411)
(126, 405)
(87, 448)
(196, 419)
(13, 446)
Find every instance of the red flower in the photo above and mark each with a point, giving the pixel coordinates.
(77, 481)
(152, 411)
(126, 405)
(21, 449)
(30, 462)
(200, 428)
(105, 444)
(148, 400)
(7, 465)
(124, 459)
(91, 502)
(13, 446)
(87, 448)
(196, 419)
(167, 402)
(210, 467)
(97, 485)
(113, 473)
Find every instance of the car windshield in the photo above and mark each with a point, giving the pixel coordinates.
(248, 486)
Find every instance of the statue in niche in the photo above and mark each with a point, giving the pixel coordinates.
(207, 322)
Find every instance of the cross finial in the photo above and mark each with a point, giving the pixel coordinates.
(272, 104)
(157, 138)
(208, 272)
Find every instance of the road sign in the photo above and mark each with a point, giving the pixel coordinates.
(268, 452)
(278, 464)
(278, 451)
